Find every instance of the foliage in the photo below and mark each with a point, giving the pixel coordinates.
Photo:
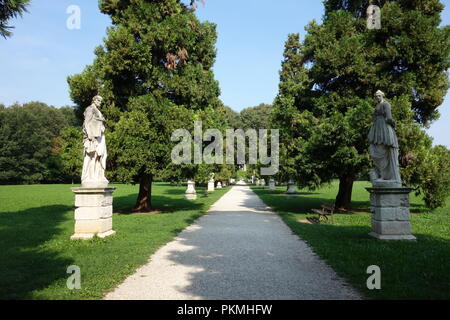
(10, 9)
(411, 270)
(437, 172)
(256, 117)
(36, 233)
(225, 173)
(72, 151)
(159, 53)
(242, 175)
(30, 144)
(327, 86)
(141, 140)
(285, 115)
(233, 118)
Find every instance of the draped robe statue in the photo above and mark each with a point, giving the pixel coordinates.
(384, 144)
(95, 154)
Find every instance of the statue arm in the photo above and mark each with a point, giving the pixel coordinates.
(388, 112)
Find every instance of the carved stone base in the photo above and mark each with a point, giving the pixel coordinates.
(191, 194)
(272, 184)
(390, 212)
(394, 237)
(291, 188)
(93, 213)
(211, 186)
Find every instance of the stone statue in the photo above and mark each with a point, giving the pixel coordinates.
(384, 145)
(373, 17)
(95, 154)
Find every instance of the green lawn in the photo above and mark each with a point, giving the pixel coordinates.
(409, 270)
(36, 223)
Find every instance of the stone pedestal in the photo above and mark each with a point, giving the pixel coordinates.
(211, 185)
(272, 184)
(390, 212)
(262, 183)
(219, 185)
(93, 213)
(291, 187)
(191, 194)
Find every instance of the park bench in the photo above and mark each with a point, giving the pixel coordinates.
(326, 211)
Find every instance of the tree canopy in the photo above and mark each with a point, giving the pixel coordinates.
(30, 143)
(327, 85)
(154, 72)
(10, 9)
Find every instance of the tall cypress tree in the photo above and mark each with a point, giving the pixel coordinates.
(289, 102)
(346, 63)
(154, 68)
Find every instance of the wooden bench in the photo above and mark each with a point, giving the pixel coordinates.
(326, 211)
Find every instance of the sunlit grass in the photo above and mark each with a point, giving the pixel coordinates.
(36, 223)
(410, 270)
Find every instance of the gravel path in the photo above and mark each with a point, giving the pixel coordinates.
(239, 250)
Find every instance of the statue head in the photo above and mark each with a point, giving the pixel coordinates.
(379, 95)
(97, 101)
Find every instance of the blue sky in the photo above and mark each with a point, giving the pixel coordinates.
(36, 61)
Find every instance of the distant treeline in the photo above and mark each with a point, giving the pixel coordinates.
(31, 143)
(43, 144)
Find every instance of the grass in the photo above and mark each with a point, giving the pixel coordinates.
(36, 223)
(409, 270)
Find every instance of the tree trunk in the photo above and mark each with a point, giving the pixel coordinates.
(344, 196)
(144, 199)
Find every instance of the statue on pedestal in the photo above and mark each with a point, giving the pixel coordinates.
(384, 144)
(388, 198)
(94, 200)
(95, 153)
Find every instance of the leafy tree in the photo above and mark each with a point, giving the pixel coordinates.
(157, 53)
(10, 9)
(71, 116)
(346, 63)
(28, 138)
(257, 117)
(287, 106)
(141, 142)
(436, 177)
(71, 153)
(410, 54)
(225, 173)
(233, 118)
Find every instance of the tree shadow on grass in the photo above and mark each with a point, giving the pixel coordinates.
(124, 204)
(25, 263)
(301, 203)
(410, 269)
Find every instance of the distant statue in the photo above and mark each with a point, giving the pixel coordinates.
(383, 143)
(373, 17)
(95, 154)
